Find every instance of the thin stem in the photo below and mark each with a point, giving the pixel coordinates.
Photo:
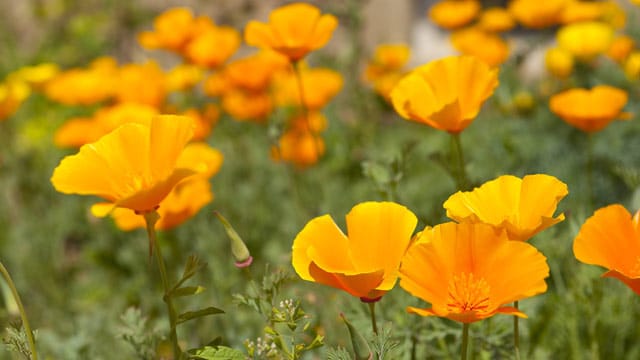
(372, 312)
(465, 341)
(590, 169)
(23, 313)
(516, 333)
(297, 69)
(457, 163)
(150, 219)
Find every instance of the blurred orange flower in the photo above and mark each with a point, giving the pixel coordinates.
(183, 77)
(620, 48)
(363, 263)
(537, 14)
(468, 272)
(577, 10)
(494, 51)
(12, 94)
(293, 30)
(133, 166)
(611, 239)
(141, 83)
(496, 19)
(319, 86)
(452, 14)
(386, 67)
(262, 66)
(521, 207)
(590, 110)
(301, 143)
(212, 46)
(172, 30)
(446, 94)
(247, 105)
(585, 40)
(84, 86)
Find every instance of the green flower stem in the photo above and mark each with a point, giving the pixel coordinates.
(465, 341)
(516, 333)
(457, 163)
(23, 314)
(151, 218)
(297, 69)
(590, 170)
(372, 312)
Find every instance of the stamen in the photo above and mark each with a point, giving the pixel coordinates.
(468, 294)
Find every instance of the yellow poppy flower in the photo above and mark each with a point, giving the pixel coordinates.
(84, 86)
(590, 110)
(37, 75)
(468, 272)
(537, 14)
(12, 94)
(247, 105)
(364, 262)
(445, 94)
(585, 40)
(452, 14)
(521, 207)
(293, 30)
(172, 30)
(559, 62)
(632, 65)
(494, 51)
(133, 166)
(611, 239)
(141, 83)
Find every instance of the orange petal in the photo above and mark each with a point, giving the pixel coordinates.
(169, 135)
(633, 283)
(259, 34)
(357, 284)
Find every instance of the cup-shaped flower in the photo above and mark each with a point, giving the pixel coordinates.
(590, 110)
(494, 50)
(586, 39)
(521, 207)
(611, 239)
(133, 166)
(446, 94)
(363, 263)
(468, 272)
(537, 14)
(293, 30)
(496, 19)
(452, 14)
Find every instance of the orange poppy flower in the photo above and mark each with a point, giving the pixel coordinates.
(537, 14)
(620, 48)
(262, 66)
(141, 83)
(245, 105)
(577, 10)
(12, 94)
(172, 30)
(521, 207)
(590, 110)
(183, 77)
(452, 14)
(84, 86)
(387, 58)
(133, 166)
(301, 147)
(363, 263)
(186, 198)
(293, 30)
(494, 51)
(446, 94)
(611, 239)
(468, 272)
(212, 46)
(585, 40)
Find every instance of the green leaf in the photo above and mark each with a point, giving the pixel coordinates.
(217, 353)
(186, 291)
(199, 313)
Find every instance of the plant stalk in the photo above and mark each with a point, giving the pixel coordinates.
(23, 313)
(457, 163)
(465, 341)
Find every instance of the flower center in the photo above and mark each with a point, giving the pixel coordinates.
(467, 293)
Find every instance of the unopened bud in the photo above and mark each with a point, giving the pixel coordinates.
(360, 346)
(238, 248)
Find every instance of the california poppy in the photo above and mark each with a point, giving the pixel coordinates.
(468, 272)
(364, 262)
(293, 30)
(494, 50)
(452, 14)
(611, 239)
(586, 39)
(446, 94)
(522, 207)
(590, 110)
(133, 166)
(537, 14)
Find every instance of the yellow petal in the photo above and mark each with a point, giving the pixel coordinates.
(169, 135)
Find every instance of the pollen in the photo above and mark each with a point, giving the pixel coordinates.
(468, 293)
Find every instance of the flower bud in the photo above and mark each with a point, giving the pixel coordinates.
(238, 248)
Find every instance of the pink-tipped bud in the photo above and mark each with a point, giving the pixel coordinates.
(238, 248)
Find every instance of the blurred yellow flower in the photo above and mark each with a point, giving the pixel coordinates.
(293, 30)
(446, 94)
(452, 14)
(559, 62)
(578, 10)
(246, 105)
(183, 77)
(302, 148)
(632, 66)
(133, 166)
(364, 262)
(496, 19)
(590, 110)
(12, 94)
(141, 83)
(469, 272)
(36, 76)
(84, 86)
(205, 119)
(585, 40)
(387, 58)
(537, 14)
(494, 51)
(521, 207)
(262, 66)
(611, 239)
